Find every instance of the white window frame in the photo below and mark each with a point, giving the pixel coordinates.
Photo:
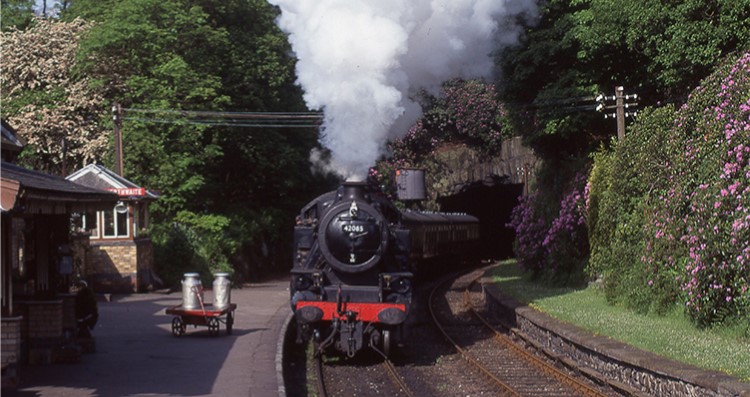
(102, 225)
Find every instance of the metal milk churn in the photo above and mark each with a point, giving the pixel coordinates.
(191, 289)
(222, 290)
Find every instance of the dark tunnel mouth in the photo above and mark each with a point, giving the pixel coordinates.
(492, 201)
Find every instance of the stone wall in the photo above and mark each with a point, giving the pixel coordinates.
(69, 322)
(10, 346)
(41, 330)
(639, 371)
(515, 164)
(44, 320)
(121, 266)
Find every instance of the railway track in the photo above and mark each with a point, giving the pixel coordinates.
(395, 387)
(429, 365)
(514, 371)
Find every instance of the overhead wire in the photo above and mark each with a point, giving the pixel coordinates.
(227, 119)
(218, 123)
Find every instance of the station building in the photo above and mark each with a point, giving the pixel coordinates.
(38, 310)
(119, 253)
(56, 231)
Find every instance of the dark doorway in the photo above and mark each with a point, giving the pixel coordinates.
(492, 201)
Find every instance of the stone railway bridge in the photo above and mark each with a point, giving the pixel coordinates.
(487, 188)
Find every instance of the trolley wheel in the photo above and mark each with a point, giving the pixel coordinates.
(387, 343)
(178, 327)
(213, 326)
(230, 322)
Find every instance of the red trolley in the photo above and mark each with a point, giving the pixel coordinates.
(206, 316)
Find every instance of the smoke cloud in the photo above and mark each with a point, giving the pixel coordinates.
(360, 60)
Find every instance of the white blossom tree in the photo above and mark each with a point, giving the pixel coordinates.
(48, 103)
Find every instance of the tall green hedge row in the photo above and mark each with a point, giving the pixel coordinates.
(660, 219)
(669, 206)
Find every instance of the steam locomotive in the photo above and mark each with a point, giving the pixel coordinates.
(355, 260)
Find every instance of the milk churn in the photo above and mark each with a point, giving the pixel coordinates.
(191, 289)
(222, 290)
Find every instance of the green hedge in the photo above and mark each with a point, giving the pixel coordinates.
(669, 207)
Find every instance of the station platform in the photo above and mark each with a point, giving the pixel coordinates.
(138, 355)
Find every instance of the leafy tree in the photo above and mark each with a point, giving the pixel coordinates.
(50, 104)
(658, 48)
(670, 45)
(17, 14)
(541, 75)
(212, 57)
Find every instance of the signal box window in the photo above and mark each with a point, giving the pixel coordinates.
(116, 225)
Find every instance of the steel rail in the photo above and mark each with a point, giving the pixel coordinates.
(393, 372)
(540, 364)
(463, 352)
(321, 383)
(396, 378)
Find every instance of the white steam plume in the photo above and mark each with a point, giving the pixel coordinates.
(359, 60)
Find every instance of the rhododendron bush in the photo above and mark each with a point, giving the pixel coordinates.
(710, 202)
(551, 236)
(466, 112)
(691, 205)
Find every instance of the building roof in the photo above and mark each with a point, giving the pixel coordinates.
(10, 137)
(37, 192)
(98, 176)
(11, 144)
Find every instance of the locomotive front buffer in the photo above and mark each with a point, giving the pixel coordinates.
(351, 321)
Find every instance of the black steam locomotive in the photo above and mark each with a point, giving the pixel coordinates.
(355, 258)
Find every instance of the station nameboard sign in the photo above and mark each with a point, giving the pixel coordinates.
(133, 191)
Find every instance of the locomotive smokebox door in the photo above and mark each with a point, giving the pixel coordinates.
(353, 235)
(410, 185)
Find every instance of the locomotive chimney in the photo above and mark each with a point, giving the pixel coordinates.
(353, 190)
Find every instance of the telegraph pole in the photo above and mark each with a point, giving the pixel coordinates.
(620, 103)
(619, 107)
(117, 117)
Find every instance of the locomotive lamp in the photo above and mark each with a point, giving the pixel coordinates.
(396, 282)
(303, 281)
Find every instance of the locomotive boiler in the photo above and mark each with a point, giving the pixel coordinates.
(355, 258)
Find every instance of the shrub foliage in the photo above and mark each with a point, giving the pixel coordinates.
(669, 207)
(550, 225)
(664, 217)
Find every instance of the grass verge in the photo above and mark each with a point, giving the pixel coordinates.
(725, 349)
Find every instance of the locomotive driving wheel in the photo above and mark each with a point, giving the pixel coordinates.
(178, 326)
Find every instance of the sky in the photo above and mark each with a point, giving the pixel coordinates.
(40, 5)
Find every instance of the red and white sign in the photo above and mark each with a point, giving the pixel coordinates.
(133, 191)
